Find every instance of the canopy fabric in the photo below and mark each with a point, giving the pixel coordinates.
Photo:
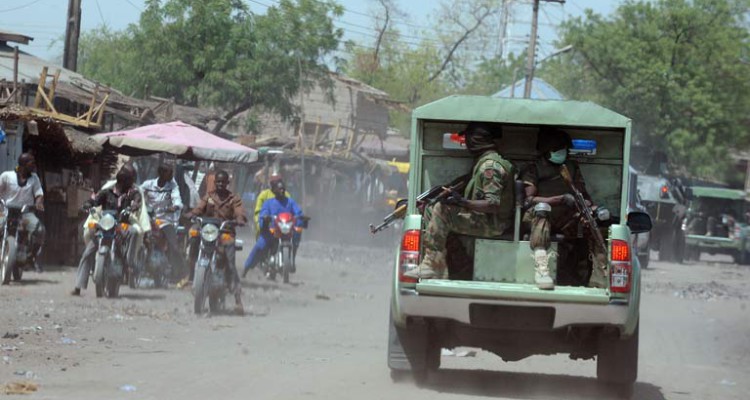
(177, 138)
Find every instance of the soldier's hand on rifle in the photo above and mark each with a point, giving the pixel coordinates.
(453, 198)
(568, 200)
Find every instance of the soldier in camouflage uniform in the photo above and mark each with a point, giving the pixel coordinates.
(552, 208)
(485, 209)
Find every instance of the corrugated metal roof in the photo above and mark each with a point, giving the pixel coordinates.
(30, 67)
(540, 90)
(6, 36)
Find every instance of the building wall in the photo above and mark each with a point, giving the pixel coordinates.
(352, 109)
(12, 147)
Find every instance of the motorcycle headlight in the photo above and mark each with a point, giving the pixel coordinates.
(210, 232)
(285, 227)
(107, 222)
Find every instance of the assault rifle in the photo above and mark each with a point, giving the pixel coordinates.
(429, 197)
(583, 209)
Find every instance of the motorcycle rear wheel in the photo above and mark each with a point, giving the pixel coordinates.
(216, 303)
(17, 273)
(9, 260)
(199, 285)
(113, 287)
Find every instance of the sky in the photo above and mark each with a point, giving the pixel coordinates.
(44, 20)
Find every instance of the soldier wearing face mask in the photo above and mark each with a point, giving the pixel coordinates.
(551, 205)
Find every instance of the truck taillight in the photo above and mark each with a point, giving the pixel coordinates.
(621, 272)
(409, 255)
(664, 192)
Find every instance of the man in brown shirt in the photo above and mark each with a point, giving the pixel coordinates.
(222, 204)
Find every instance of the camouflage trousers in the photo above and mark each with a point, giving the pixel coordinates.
(566, 223)
(441, 219)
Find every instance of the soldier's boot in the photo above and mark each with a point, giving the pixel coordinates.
(541, 272)
(599, 277)
(433, 266)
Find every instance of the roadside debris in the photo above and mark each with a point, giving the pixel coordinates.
(322, 296)
(128, 388)
(9, 335)
(21, 387)
(451, 353)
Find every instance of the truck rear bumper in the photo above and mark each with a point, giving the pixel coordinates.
(413, 304)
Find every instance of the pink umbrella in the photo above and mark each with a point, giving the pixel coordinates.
(178, 138)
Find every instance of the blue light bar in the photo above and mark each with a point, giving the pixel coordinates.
(583, 147)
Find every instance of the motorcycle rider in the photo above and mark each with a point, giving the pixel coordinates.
(22, 188)
(264, 195)
(221, 203)
(274, 206)
(122, 194)
(162, 195)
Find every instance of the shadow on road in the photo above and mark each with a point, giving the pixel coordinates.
(530, 386)
(34, 281)
(142, 296)
(265, 284)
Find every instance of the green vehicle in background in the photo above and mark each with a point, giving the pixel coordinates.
(717, 223)
(490, 300)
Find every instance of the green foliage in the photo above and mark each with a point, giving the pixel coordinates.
(493, 74)
(439, 65)
(675, 67)
(218, 53)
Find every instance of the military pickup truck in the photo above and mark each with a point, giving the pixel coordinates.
(716, 223)
(490, 300)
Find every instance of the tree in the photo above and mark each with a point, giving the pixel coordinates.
(217, 53)
(674, 67)
(430, 68)
(493, 74)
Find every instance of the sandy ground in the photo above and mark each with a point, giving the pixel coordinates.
(324, 337)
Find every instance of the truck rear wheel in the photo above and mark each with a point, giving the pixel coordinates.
(412, 348)
(617, 361)
(666, 245)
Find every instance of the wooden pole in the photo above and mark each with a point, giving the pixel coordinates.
(531, 51)
(335, 137)
(315, 137)
(40, 88)
(15, 74)
(72, 33)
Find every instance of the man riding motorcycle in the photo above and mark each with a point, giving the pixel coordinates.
(22, 188)
(162, 196)
(120, 194)
(265, 194)
(278, 204)
(220, 203)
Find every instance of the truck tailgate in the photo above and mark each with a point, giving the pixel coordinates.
(511, 291)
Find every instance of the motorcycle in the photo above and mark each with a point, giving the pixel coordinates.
(154, 260)
(281, 255)
(109, 266)
(210, 279)
(15, 254)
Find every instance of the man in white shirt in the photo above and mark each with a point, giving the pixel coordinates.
(22, 187)
(162, 195)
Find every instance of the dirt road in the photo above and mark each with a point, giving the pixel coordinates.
(325, 337)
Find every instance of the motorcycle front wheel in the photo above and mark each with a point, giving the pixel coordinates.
(286, 262)
(9, 260)
(100, 266)
(199, 287)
